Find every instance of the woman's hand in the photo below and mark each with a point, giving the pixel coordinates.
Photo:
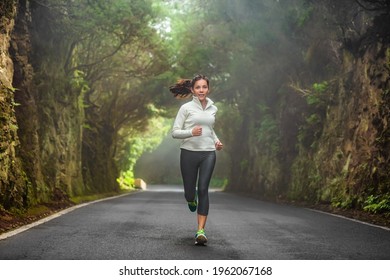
(197, 131)
(218, 145)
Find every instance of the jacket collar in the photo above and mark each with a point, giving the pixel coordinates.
(197, 102)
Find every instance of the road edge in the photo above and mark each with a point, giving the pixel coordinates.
(350, 219)
(56, 215)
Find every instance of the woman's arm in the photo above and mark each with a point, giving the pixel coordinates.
(177, 131)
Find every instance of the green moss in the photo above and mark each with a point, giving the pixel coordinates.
(347, 57)
(307, 182)
(37, 210)
(267, 134)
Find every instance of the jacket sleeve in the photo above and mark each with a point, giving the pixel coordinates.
(215, 137)
(177, 131)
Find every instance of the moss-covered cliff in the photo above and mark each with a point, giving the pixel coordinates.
(49, 114)
(324, 137)
(13, 181)
(70, 88)
(347, 162)
(43, 110)
(349, 158)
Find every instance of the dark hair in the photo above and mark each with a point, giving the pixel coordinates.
(199, 77)
(182, 88)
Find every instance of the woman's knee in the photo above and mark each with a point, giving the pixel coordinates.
(203, 192)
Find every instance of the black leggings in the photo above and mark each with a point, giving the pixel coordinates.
(192, 162)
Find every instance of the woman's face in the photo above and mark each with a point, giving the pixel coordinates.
(200, 89)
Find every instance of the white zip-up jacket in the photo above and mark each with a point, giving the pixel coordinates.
(190, 115)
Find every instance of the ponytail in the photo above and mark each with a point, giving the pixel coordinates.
(182, 88)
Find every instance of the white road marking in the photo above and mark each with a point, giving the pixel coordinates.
(350, 219)
(55, 215)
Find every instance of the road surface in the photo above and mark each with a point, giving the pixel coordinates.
(156, 224)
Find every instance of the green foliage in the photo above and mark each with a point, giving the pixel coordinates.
(320, 87)
(228, 121)
(313, 119)
(316, 98)
(79, 82)
(377, 204)
(219, 183)
(298, 16)
(267, 133)
(138, 144)
(116, 64)
(346, 201)
(303, 16)
(126, 180)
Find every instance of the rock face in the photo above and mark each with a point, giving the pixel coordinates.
(48, 151)
(13, 184)
(50, 115)
(332, 133)
(41, 119)
(349, 160)
(351, 157)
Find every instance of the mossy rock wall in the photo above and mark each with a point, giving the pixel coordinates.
(13, 183)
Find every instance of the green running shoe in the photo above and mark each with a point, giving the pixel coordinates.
(193, 204)
(200, 237)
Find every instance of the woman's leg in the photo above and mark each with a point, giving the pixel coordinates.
(201, 221)
(205, 172)
(189, 171)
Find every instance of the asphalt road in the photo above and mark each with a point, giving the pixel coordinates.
(156, 224)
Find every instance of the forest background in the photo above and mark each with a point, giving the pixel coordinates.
(302, 88)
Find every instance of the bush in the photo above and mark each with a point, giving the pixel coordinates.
(377, 204)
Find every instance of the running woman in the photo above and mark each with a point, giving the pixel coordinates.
(194, 124)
